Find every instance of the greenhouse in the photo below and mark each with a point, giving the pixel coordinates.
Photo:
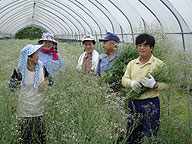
(71, 19)
(79, 109)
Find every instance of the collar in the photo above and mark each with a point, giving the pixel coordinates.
(88, 56)
(149, 61)
(117, 54)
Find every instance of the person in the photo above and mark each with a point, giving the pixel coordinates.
(49, 56)
(30, 100)
(88, 60)
(110, 53)
(146, 108)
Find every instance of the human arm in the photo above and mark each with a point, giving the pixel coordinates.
(162, 86)
(128, 82)
(46, 80)
(15, 79)
(126, 79)
(43, 85)
(80, 62)
(48, 77)
(95, 59)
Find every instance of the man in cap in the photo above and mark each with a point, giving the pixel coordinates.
(88, 60)
(110, 53)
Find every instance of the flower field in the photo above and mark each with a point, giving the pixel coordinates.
(79, 110)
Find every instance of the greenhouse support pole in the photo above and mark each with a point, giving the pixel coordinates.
(188, 103)
(177, 17)
(126, 19)
(96, 39)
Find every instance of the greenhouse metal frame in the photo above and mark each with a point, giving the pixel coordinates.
(71, 19)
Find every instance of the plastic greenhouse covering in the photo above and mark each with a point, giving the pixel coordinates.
(71, 19)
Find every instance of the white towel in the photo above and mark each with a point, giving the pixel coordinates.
(95, 58)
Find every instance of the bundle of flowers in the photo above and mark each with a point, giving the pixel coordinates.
(160, 74)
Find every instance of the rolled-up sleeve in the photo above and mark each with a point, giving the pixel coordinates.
(162, 86)
(126, 79)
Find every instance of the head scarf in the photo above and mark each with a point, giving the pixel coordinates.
(23, 57)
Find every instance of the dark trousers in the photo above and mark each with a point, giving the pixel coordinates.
(31, 129)
(143, 119)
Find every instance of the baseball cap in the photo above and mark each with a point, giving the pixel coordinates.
(110, 36)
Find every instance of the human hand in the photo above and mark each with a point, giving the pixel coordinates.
(43, 85)
(148, 82)
(136, 86)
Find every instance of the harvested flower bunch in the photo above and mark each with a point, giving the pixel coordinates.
(160, 74)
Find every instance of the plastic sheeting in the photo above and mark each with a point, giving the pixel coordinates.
(71, 19)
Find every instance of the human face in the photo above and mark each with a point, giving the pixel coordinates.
(34, 59)
(89, 46)
(144, 50)
(108, 46)
(48, 44)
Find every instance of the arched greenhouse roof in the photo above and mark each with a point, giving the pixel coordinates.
(71, 19)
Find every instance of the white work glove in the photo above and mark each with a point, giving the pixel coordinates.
(148, 82)
(136, 86)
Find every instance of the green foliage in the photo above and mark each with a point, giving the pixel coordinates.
(78, 110)
(29, 33)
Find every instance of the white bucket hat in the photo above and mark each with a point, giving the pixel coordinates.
(88, 38)
(49, 37)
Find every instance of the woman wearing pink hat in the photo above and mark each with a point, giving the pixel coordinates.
(48, 55)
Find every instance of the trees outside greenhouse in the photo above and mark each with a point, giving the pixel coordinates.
(29, 33)
(84, 108)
